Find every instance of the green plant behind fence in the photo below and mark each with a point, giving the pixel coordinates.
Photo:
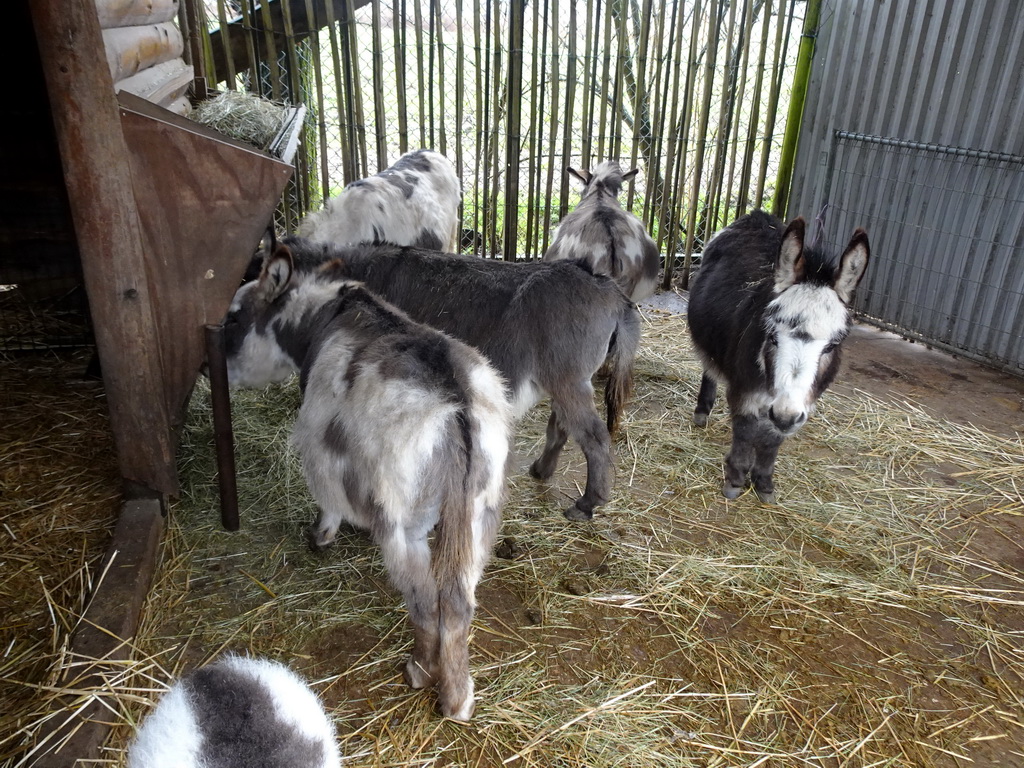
(514, 93)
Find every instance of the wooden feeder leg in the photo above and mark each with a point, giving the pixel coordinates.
(224, 438)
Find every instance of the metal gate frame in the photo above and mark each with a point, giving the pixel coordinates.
(921, 284)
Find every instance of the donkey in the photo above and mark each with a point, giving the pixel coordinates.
(767, 316)
(546, 327)
(612, 240)
(402, 429)
(237, 712)
(415, 201)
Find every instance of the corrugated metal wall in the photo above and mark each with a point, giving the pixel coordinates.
(928, 100)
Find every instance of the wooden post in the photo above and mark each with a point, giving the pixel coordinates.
(103, 208)
(513, 126)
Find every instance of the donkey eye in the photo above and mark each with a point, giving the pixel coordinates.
(829, 348)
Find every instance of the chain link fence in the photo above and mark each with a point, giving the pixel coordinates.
(514, 93)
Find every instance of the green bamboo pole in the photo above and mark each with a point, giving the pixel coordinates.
(295, 97)
(606, 60)
(293, 55)
(739, 86)
(442, 135)
(723, 129)
(702, 132)
(482, 65)
(660, 116)
(589, 62)
(778, 61)
(460, 91)
(225, 40)
(347, 173)
(675, 147)
(513, 117)
(348, 82)
(325, 181)
(742, 204)
(379, 119)
(431, 34)
(250, 48)
(398, 26)
(670, 239)
(801, 79)
(640, 97)
(420, 74)
(655, 112)
(553, 134)
(618, 101)
(534, 135)
(495, 154)
(357, 89)
(570, 105)
(268, 39)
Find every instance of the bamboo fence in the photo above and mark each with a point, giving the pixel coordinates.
(514, 93)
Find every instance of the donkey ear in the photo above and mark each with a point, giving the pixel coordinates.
(852, 265)
(630, 174)
(581, 175)
(789, 266)
(277, 273)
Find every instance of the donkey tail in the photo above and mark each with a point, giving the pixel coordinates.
(622, 348)
(466, 528)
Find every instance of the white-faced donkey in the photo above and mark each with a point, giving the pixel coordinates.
(613, 241)
(767, 316)
(402, 430)
(237, 712)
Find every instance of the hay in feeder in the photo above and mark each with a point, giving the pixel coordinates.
(243, 116)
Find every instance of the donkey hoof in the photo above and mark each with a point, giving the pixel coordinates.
(767, 497)
(416, 676)
(578, 515)
(732, 491)
(463, 713)
(458, 704)
(700, 419)
(319, 538)
(540, 472)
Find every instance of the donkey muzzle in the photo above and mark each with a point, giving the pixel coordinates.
(786, 423)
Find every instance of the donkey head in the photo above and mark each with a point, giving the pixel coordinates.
(607, 176)
(806, 321)
(254, 356)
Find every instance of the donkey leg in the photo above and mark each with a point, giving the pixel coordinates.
(457, 605)
(581, 420)
(407, 559)
(544, 466)
(705, 400)
(740, 458)
(766, 450)
(329, 492)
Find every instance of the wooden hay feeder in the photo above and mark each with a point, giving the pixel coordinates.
(166, 214)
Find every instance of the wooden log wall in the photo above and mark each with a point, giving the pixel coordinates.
(144, 50)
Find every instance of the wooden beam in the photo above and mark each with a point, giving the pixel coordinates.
(302, 27)
(102, 642)
(101, 194)
(129, 13)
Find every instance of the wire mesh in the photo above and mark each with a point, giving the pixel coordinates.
(514, 93)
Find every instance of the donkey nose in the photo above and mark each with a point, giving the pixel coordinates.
(786, 422)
